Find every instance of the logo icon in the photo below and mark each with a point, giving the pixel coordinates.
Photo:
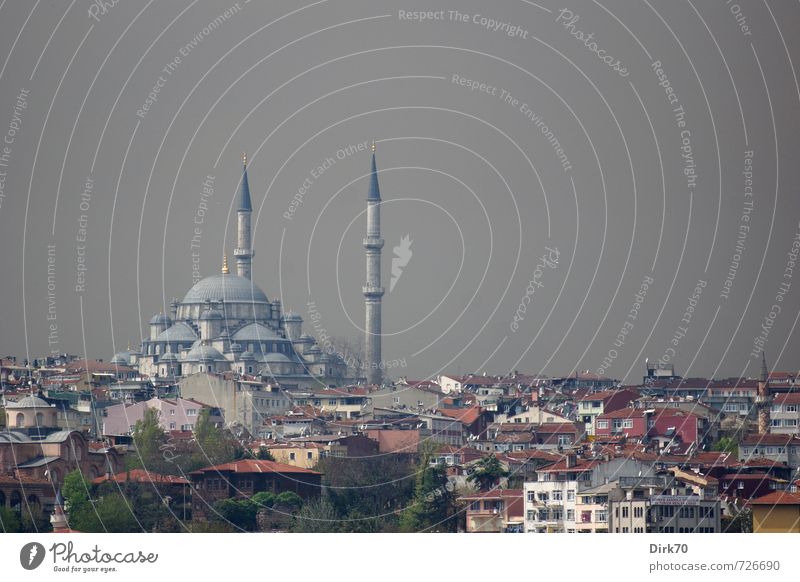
(31, 555)
(402, 255)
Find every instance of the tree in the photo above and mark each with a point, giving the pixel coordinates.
(368, 493)
(742, 522)
(317, 516)
(149, 442)
(486, 473)
(433, 507)
(9, 521)
(111, 513)
(239, 513)
(213, 445)
(726, 444)
(263, 454)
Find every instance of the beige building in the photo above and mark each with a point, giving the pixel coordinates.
(305, 455)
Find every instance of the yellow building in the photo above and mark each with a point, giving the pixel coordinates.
(305, 455)
(778, 512)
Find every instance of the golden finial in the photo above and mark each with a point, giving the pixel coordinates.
(244, 159)
(225, 270)
(373, 146)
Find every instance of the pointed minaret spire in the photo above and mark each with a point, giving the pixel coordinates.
(244, 251)
(373, 292)
(225, 269)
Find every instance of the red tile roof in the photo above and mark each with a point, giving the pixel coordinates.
(777, 498)
(465, 415)
(254, 466)
(787, 398)
(142, 476)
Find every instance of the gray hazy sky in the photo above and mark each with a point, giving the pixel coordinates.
(471, 176)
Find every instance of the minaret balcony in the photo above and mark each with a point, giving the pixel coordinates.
(243, 252)
(373, 292)
(372, 243)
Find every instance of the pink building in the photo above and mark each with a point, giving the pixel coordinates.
(179, 414)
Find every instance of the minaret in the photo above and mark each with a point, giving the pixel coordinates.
(763, 401)
(244, 249)
(373, 292)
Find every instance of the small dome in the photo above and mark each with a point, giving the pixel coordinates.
(180, 332)
(292, 316)
(202, 352)
(211, 315)
(122, 359)
(305, 338)
(161, 319)
(29, 402)
(225, 287)
(169, 357)
(248, 356)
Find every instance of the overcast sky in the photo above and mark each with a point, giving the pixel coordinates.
(615, 134)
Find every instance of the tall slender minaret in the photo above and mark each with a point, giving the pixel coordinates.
(244, 249)
(763, 400)
(373, 292)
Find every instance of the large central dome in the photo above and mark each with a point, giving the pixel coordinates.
(225, 287)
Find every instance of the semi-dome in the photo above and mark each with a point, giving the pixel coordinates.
(202, 352)
(292, 316)
(255, 332)
(161, 319)
(180, 332)
(276, 358)
(225, 287)
(169, 357)
(121, 359)
(29, 402)
(211, 315)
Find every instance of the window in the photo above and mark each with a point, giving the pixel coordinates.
(309, 455)
(531, 515)
(624, 530)
(602, 516)
(570, 495)
(476, 506)
(570, 515)
(543, 496)
(544, 515)
(586, 517)
(790, 422)
(627, 423)
(564, 439)
(745, 450)
(291, 456)
(191, 412)
(776, 422)
(557, 495)
(602, 424)
(687, 512)
(638, 511)
(624, 512)
(531, 496)
(557, 514)
(171, 426)
(791, 407)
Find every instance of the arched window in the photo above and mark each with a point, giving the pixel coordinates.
(16, 501)
(249, 369)
(201, 367)
(158, 349)
(250, 347)
(20, 420)
(39, 419)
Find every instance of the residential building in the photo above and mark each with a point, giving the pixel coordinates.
(496, 511)
(776, 512)
(785, 413)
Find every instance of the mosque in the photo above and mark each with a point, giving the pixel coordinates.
(227, 323)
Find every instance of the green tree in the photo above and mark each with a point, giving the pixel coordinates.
(726, 444)
(486, 473)
(213, 445)
(110, 513)
(9, 521)
(264, 454)
(239, 513)
(149, 444)
(433, 507)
